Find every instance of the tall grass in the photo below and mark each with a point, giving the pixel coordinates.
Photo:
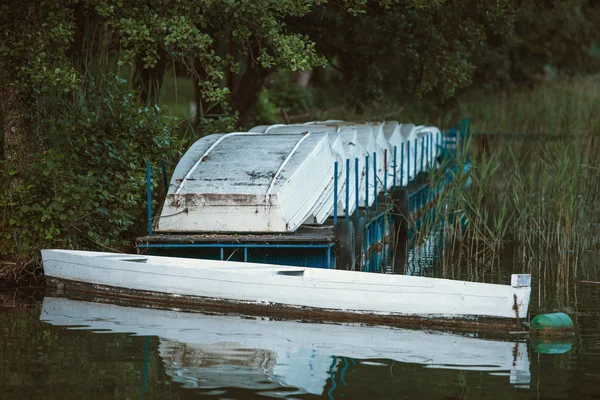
(570, 107)
(536, 196)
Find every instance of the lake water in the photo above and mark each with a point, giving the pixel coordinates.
(55, 347)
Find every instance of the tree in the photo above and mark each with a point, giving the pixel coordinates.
(400, 50)
(556, 34)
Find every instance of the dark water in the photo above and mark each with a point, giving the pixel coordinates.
(61, 348)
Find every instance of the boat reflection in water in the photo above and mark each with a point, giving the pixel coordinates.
(210, 351)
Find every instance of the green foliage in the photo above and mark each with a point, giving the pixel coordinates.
(406, 49)
(553, 34)
(34, 45)
(87, 189)
(283, 93)
(156, 30)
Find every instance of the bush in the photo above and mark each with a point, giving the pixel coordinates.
(86, 189)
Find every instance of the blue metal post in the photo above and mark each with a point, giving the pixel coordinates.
(335, 191)
(164, 174)
(385, 172)
(407, 162)
(415, 162)
(356, 184)
(367, 185)
(347, 188)
(431, 163)
(395, 166)
(149, 197)
(422, 154)
(375, 182)
(427, 151)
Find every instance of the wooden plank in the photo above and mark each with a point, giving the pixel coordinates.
(306, 234)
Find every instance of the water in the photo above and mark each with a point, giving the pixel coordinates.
(55, 347)
(58, 347)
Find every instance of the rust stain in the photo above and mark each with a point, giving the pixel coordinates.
(195, 199)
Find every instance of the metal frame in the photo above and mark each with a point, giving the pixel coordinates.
(447, 143)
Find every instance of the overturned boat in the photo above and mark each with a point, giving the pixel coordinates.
(297, 291)
(248, 182)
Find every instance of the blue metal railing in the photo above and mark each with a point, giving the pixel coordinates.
(447, 144)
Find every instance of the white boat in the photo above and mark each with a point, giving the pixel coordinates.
(203, 351)
(409, 135)
(332, 293)
(248, 182)
(391, 130)
(433, 136)
(294, 129)
(387, 155)
(355, 152)
(371, 137)
(259, 129)
(324, 207)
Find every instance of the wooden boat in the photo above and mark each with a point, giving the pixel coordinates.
(270, 182)
(198, 350)
(391, 130)
(355, 151)
(324, 207)
(432, 134)
(327, 294)
(409, 135)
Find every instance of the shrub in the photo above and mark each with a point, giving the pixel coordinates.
(86, 189)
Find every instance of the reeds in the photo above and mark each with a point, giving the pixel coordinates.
(538, 196)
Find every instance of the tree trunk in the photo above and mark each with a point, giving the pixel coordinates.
(202, 105)
(246, 94)
(149, 80)
(304, 78)
(1, 136)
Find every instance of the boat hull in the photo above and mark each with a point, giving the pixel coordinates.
(293, 291)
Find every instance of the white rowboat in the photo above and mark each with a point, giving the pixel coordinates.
(334, 292)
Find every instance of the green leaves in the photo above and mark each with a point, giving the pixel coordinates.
(86, 183)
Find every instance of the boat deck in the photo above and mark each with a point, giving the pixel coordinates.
(322, 234)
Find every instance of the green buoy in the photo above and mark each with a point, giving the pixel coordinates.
(551, 346)
(555, 324)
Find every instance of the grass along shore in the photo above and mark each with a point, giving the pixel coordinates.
(538, 195)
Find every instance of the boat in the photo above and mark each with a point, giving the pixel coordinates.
(207, 351)
(357, 157)
(409, 136)
(324, 207)
(322, 294)
(270, 182)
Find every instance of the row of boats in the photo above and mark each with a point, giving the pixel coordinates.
(277, 178)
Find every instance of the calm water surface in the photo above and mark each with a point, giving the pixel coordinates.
(55, 347)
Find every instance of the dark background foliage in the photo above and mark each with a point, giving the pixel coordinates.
(92, 89)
